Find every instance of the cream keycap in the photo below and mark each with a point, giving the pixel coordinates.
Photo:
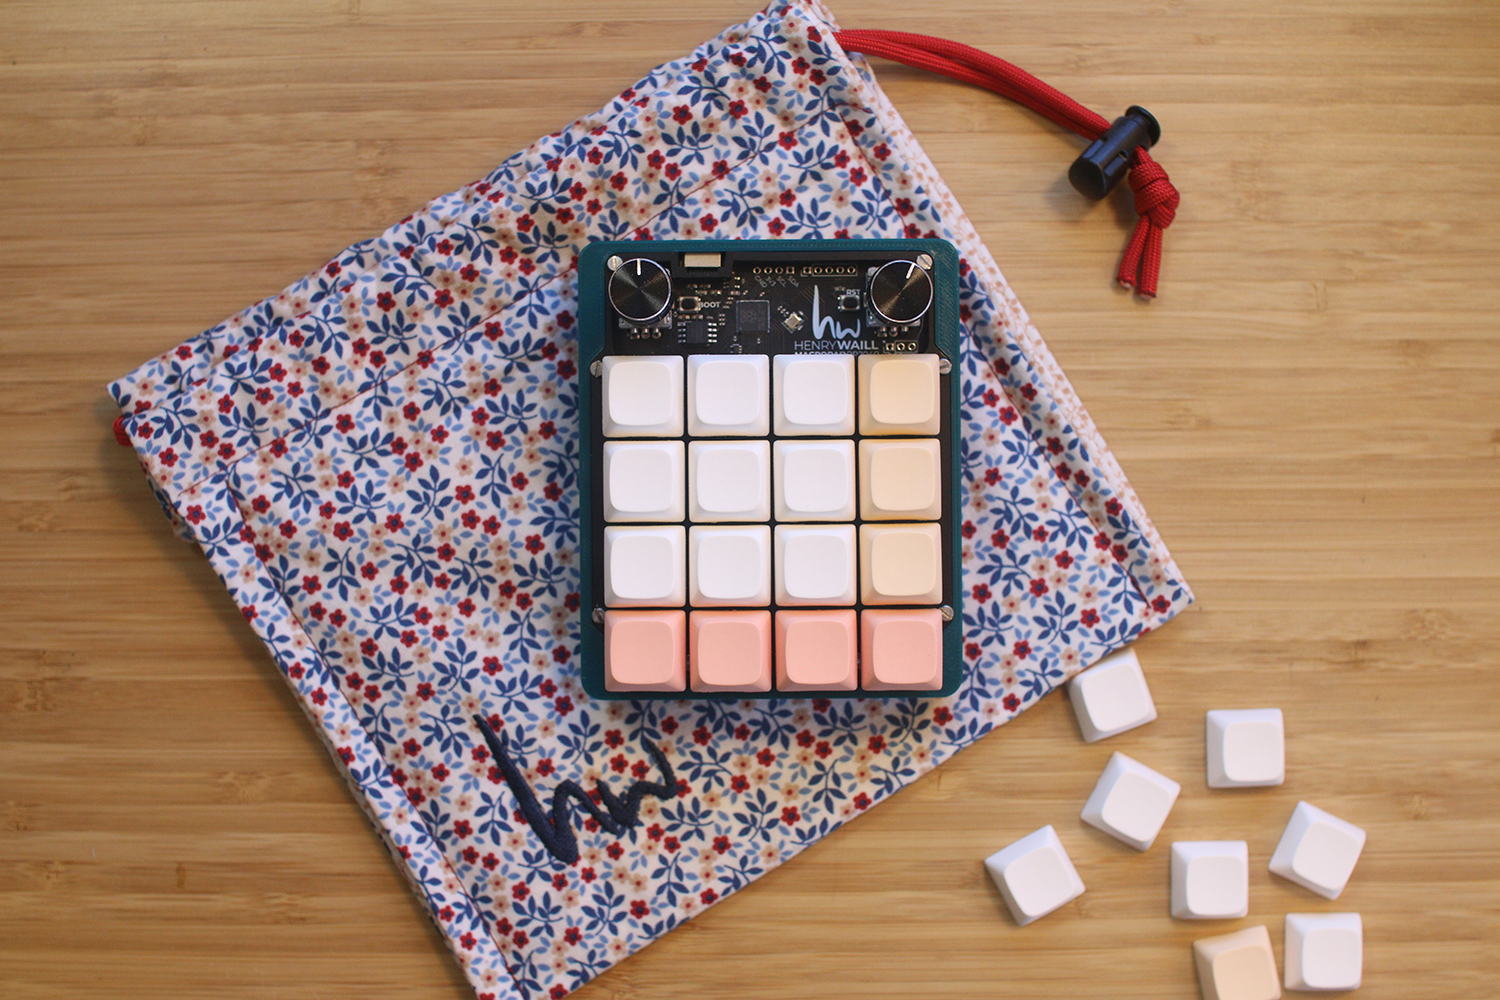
(1238, 966)
(900, 564)
(900, 480)
(898, 394)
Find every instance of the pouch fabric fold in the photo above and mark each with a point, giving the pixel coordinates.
(381, 464)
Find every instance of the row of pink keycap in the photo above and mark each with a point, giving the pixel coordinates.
(832, 650)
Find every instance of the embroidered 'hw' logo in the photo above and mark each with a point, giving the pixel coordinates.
(557, 833)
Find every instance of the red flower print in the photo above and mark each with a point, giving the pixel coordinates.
(791, 816)
(682, 114)
(1161, 604)
(1063, 560)
(877, 743)
(534, 544)
(1011, 702)
(721, 845)
(1038, 587)
(861, 801)
(1089, 617)
(1022, 649)
(981, 592)
(942, 715)
(766, 757)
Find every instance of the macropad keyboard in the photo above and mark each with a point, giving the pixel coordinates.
(769, 475)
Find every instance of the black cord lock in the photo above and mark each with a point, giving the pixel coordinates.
(1107, 159)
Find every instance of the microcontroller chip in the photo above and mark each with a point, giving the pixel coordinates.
(752, 317)
(694, 331)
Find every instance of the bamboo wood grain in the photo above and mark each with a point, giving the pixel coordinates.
(1311, 413)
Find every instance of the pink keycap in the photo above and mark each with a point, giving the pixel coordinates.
(730, 650)
(644, 650)
(816, 651)
(901, 650)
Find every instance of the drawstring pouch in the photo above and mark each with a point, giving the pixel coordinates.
(381, 464)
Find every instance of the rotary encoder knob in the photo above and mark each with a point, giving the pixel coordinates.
(901, 291)
(640, 289)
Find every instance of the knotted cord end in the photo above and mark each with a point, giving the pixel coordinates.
(1156, 202)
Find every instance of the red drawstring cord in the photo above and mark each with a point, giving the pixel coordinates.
(1156, 199)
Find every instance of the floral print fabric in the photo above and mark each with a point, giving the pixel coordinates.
(381, 464)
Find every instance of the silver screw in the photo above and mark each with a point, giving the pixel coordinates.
(614, 262)
(924, 261)
(944, 366)
(598, 616)
(596, 369)
(946, 612)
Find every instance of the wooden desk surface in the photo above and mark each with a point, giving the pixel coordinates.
(1311, 413)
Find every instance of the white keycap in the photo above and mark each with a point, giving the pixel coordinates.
(1318, 850)
(1238, 966)
(900, 480)
(729, 481)
(1111, 697)
(814, 480)
(729, 395)
(900, 563)
(1210, 879)
(644, 567)
(1035, 875)
(642, 396)
(644, 481)
(815, 565)
(1324, 951)
(814, 394)
(1131, 801)
(898, 394)
(730, 566)
(1245, 747)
